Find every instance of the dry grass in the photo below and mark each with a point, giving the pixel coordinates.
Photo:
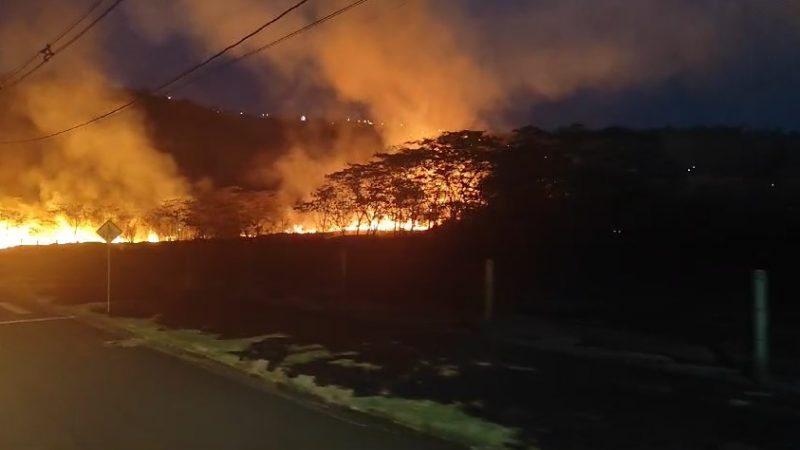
(445, 420)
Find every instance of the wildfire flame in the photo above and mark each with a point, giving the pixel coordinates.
(59, 231)
(383, 225)
(56, 231)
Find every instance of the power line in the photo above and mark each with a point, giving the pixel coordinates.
(55, 39)
(274, 43)
(188, 72)
(208, 60)
(18, 69)
(89, 27)
(69, 29)
(164, 85)
(47, 53)
(25, 75)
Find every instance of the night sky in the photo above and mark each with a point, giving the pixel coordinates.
(747, 75)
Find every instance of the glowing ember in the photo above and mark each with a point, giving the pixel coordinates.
(413, 188)
(383, 225)
(56, 231)
(60, 231)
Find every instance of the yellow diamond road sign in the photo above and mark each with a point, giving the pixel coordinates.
(109, 231)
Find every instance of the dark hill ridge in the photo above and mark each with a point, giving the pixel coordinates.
(226, 147)
(207, 143)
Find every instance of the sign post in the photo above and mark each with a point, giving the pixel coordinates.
(108, 231)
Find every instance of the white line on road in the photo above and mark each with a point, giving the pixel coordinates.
(14, 308)
(38, 319)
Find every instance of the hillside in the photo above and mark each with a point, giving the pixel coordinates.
(225, 146)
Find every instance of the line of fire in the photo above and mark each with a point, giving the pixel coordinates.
(408, 188)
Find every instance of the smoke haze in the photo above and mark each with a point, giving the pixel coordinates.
(113, 164)
(413, 67)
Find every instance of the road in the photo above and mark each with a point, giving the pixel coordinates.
(63, 387)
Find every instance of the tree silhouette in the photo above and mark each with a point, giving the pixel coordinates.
(425, 183)
(170, 219)
(76, 215)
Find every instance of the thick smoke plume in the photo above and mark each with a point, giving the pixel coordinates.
(421, 66)
(113, 165)
(413, 66)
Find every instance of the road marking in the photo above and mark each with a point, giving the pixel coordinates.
(38, 319)
(14, 308)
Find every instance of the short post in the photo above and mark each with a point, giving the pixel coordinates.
(188, 270)
(343, 266)
(108, 278)
(488, 290)
(760, 326)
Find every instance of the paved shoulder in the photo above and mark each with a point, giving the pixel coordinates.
(63, 388)
(14, 312)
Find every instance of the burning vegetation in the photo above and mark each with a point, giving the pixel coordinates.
(415, 187)
(438, 69)
(412, 187)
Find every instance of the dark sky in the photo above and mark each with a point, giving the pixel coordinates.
(748, 75)
(754, 96)
(758, 87)
(235, 88)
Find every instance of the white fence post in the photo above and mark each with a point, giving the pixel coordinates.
(760, 326)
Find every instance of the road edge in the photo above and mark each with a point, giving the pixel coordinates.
(290, 391)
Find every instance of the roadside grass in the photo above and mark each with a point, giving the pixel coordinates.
(445, 420)
(353, 364)
(448, 371)
(448, 421)
(306, 357)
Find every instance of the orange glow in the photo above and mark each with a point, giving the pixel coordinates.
(56, 231)
(59, 231)
(383, 225)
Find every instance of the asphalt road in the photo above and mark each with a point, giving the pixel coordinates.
(63, 387)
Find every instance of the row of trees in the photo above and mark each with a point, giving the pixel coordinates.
(602, 182)
(417, 185)
(222, 213)
(421, 184)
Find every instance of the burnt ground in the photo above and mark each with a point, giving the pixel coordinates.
(558, 401)
(405, 320)
(67, 386)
